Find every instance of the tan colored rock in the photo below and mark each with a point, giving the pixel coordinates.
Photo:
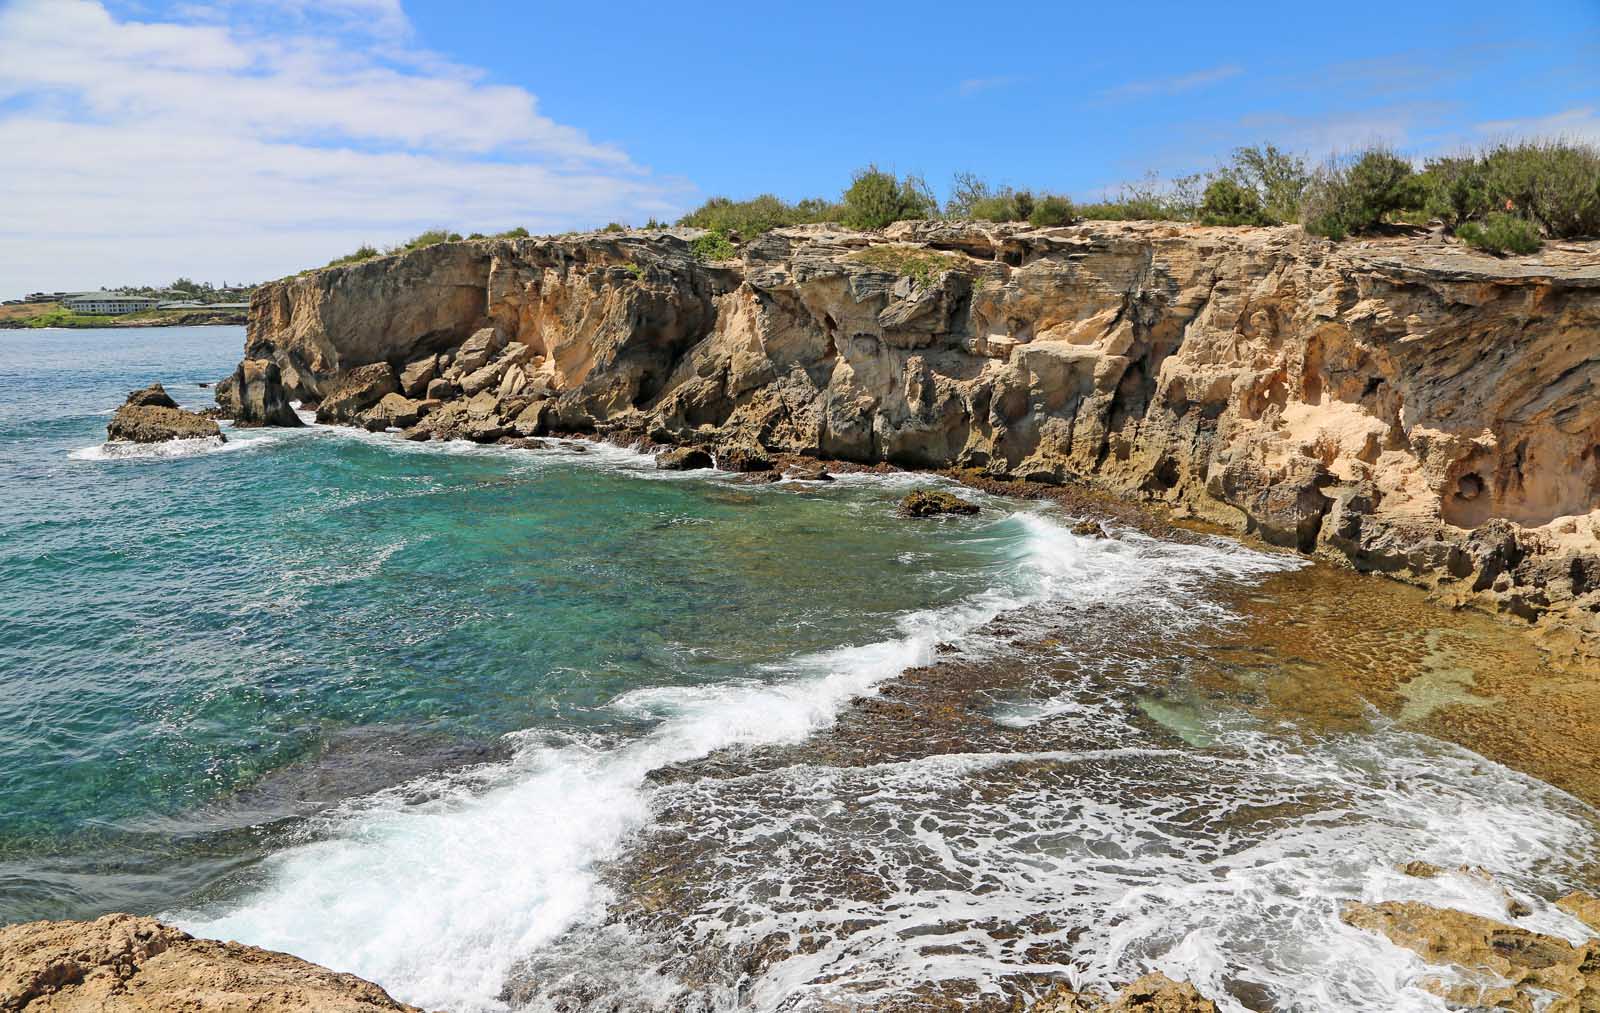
(417, 374)
(124, 964)
(364, 387)
(259, 396)
(153, 423)
(393, 410)
(1583, 907)
(1153, 993)
(1361, 401)
(1503, 966)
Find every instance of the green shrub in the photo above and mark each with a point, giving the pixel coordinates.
(750, 218)
(1277, 178)
(1500, 233)
(614, 227)
(476, 235)
(517, 233)
(1150, 200)
(877, 199)
(1229, 203)
(1456, 189)
(366, 251)
(1355, 196)
(714, 245)
(1554, 183)
(1052, 209)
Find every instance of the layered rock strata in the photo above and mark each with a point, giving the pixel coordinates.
(1401, 404)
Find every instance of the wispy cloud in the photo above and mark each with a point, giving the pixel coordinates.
(1581, 123)
(260, 137)
(977, 85)
(1176, 85)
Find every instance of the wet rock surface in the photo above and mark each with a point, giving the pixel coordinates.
(257, 397)
(933, 502)
(123, 964)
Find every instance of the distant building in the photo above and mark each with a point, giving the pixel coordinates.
(108, 303)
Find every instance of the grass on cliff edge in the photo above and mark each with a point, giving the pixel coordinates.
(921, 265)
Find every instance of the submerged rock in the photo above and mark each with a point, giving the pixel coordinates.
(932, 502)
(1154, 993)
(124, 964)
(807, 472)
(685, 459)
(151, 416)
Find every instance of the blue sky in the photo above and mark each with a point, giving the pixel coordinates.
(245, 139)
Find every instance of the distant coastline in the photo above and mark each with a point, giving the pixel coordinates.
(39, 315)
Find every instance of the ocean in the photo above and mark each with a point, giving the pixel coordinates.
(427, 713)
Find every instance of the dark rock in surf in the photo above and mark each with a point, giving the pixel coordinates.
(1089, 529)
(150, 416)
(743, 457)
(153, 396)
(258, 395)
(932, 502)
(685, 459)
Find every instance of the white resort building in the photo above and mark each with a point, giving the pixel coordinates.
(108, 303)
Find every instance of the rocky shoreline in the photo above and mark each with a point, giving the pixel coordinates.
(1401, 405)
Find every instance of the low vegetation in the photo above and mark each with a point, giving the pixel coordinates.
(918, 263)
(1508, 198)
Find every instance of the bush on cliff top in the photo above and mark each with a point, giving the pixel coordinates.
(1355, 195)
(1500, 233)
(877, 199)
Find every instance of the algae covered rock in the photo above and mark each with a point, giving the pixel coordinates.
(932, 502)
(151, 416)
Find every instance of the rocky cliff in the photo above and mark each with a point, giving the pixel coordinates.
(1400, 404)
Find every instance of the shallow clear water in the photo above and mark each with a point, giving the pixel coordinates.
(395, 707)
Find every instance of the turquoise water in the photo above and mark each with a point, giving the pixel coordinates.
(198, 649)
(393, 707)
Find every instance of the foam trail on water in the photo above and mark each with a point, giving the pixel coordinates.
(436, 901)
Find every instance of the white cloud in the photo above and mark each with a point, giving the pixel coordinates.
(1174, 85)
(247, 141)
(975, 85)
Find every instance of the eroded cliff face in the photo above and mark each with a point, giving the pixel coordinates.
(1401, 404)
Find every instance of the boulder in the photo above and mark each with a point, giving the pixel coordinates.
(226, 394)
(514, 382)
(362, 388)
(931, 502)
(685, 459)
(124, 964)
(743, 458)
(418, 374)
(393, 411)
(531, 421)
(153, 396)
(476, 351)
(440, 389)
(260, 397)
(483, 378)
(150, 416)
(1089, 528)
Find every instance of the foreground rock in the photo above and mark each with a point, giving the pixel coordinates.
(1489, 964)
(931, 502)
(151, 416)
(684, 459)
(257, 397)
(1154, 993)
(124, 964)
(1399, 404)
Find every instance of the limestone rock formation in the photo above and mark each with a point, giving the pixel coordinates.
(124, 964)
(257, 396)
(151, 416)
(1402, 404)
(1488, 964)
(932, 502)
